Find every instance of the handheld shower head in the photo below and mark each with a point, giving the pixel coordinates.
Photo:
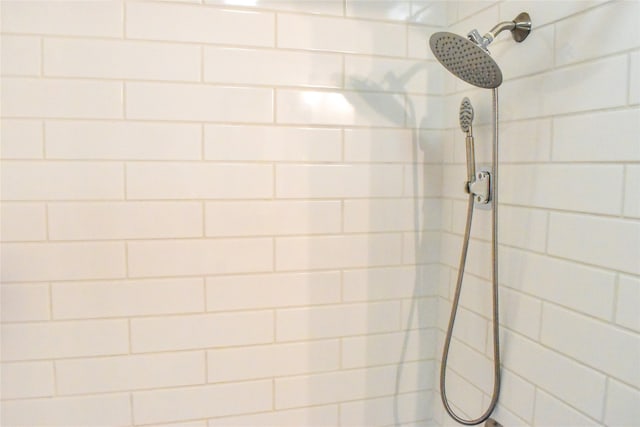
(466, 115)
(469, 59)
(466, 118)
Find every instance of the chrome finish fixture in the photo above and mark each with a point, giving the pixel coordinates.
(466, 119)
(466, 60)
(480, 187)
(469, 59)
(477, 184)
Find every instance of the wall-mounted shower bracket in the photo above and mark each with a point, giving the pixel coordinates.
(480, 187)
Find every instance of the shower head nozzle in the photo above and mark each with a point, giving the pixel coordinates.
(466, 60)
(466, 115)
(469, 59)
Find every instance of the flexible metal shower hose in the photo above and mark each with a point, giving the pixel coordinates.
(494, 277)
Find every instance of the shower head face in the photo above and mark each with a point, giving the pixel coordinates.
(466, 60)
(466, 115)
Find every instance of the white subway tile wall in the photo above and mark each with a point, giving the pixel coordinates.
(249, 213)
(208, 210)
(569, 219)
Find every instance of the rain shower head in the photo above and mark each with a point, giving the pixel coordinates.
(469, 59)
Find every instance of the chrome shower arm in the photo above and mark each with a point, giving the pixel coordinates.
(493, 33)
(520, 28)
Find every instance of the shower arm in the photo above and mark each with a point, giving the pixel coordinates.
(520, 28)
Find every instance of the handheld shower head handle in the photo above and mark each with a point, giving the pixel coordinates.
(466, 120)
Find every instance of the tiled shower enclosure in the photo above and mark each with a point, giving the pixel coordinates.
(250, 212)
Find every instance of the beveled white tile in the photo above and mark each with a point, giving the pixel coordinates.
(346, 385)
(23, 222)
(39, 180)
(25, 302)
(237, 364)
(627, 308)
(238, 66)
(580, 288)
(98, 375)
(425, 112)
(634, 80)
(528, 185)
(201, 24)
(621, 407)
(121, 60)
(567, 234)
(272, 218)
(182, 180)
(520, 313)
(472, 8)
(387, 283)
(28, 262)
(30, 97)
(577, 88)
(348, 108)
(269, 143)
(601, 136)
(429, 12)
(197, 257)
(31, 379)
(388, 348)
(122, 140)
(21, 139)
(196, 102)
(518, 395)
(420, 313)
(522, 141)
(273, 290)
(336, 321)
(169, 333)
(20, 55)
(394, 75)
(84, 300)
(64, 339)
(424, 180)
(110, 409)
(317, 416)
(542, 12)
(393, 10)
(337, 181)
(124, 220)
(371, 215)
(556, 373)
(378, 145)
(340, 35)
(323, 7)
(615, 21)
(386, 411)
(99, 19)
(153, 407)
(328, 252)
(592, 342)
(632, 191)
